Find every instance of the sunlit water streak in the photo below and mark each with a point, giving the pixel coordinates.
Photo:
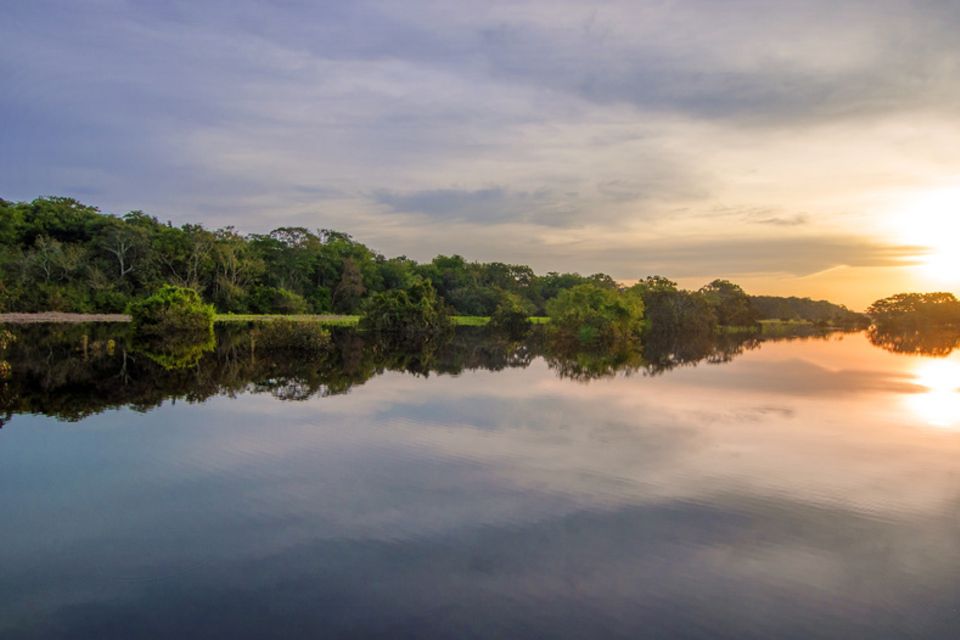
(939, 403)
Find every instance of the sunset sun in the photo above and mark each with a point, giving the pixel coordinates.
(932, 223)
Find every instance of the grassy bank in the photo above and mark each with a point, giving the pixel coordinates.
(328, 320)
(351, 321)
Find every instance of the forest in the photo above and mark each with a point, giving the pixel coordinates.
(58, 254)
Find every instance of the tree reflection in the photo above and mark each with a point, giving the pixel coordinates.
(180, 351)
(929, 341)
(72, 371)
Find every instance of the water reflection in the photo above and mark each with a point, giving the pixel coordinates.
(488, 488)
(73, 371)
(927, 341)
(939, 404)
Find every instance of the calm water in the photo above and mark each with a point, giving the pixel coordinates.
(789, 489)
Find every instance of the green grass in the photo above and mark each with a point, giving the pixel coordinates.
(325, 320)
(482, 321)
(785, 323)
(330, 320)
(733, 329)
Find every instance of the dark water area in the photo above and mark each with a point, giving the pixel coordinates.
(741, 487)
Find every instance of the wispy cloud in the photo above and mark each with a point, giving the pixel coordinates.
(402, 122)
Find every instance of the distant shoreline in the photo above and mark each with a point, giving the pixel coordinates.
(332, 320)
(60, 317)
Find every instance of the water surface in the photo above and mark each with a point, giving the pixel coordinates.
(789, 489)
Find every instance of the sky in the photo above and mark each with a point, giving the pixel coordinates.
(799, 148)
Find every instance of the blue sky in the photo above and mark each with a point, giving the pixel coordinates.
(770, 142)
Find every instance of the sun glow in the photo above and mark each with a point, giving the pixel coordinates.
(932, 221)
(939, 405)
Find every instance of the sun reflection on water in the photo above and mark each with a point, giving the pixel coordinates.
(939, 405)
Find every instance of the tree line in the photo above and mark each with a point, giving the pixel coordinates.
(58, 254)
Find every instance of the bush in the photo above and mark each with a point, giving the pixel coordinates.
(594, 315)
(410, 315)
(511, 316)
(171, 311)
(110, 301)
(274, 300)
(288, 335)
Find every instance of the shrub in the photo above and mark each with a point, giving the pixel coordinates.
(274, 300)
(321, 301)
(410, 315)
(289, 335)
(110, 301)
(594, 315)
(512, 316)
(171, 311)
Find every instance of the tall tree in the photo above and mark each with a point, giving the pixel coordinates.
(350, 290)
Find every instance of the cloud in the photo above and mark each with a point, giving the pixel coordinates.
(603, 126)
(491, 204)
(794, 256)
(795, 220)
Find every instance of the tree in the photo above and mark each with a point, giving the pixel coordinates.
(350, 290)
(673, 314)
(171, 311)
(45, 257)
(594, 315)
(817, 311)
(512, 315)
(731, 305)
(236, 267)
(274, 300)
(406, 316)
(186, 254)
(128, 245)
(916, 309)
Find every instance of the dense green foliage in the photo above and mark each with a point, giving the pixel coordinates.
(171, 311)
(730, 304)
(173, 327)
(927, 323)
(512, 316)
(917, 309)
(57, 254)
(410, 315)
(671, 311)
(592, 314)
(816, 311)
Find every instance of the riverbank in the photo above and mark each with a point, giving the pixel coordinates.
(328, 320)
(52, 317)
